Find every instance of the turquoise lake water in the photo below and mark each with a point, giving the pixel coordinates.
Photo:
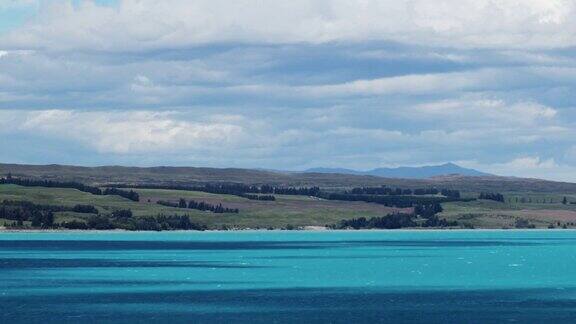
(264, 277)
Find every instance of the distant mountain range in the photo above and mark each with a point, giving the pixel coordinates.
(407, 172)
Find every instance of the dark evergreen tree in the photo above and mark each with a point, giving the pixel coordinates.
(492, 196)
(132, 195)
(198, 205)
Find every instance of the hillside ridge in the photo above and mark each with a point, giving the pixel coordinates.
(189, 175)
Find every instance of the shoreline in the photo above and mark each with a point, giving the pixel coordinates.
(326, 230)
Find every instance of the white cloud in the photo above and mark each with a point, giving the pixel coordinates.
(529, 167)
(149, 24)
(480, 111)
(530, 163)
(125, 132)
(279, 141)
(446, 83)
(409, 84)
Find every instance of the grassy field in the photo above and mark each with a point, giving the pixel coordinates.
(286, 210)
(540, 209)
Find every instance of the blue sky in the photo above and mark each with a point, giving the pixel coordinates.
(291, 85)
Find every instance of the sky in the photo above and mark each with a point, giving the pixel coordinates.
(290, 85)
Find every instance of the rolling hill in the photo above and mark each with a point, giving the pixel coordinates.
(190, 175)
(526, 202)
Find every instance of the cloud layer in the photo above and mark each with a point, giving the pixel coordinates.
(149, 24)
(291, 85)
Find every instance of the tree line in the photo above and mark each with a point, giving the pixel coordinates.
(391, 201)
(51, 184)
(257, 197)
(80, 208)
(390, 221)
(422, 216)
(39, 215)
(132, 195)
(540, 200)
(397, 197)
(204, 206)
(387, 191)
(123, 219)
(380, 195)
(42, 216)
(491, 196)
(236, 189)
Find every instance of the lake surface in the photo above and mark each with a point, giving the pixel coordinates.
(264, 277)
